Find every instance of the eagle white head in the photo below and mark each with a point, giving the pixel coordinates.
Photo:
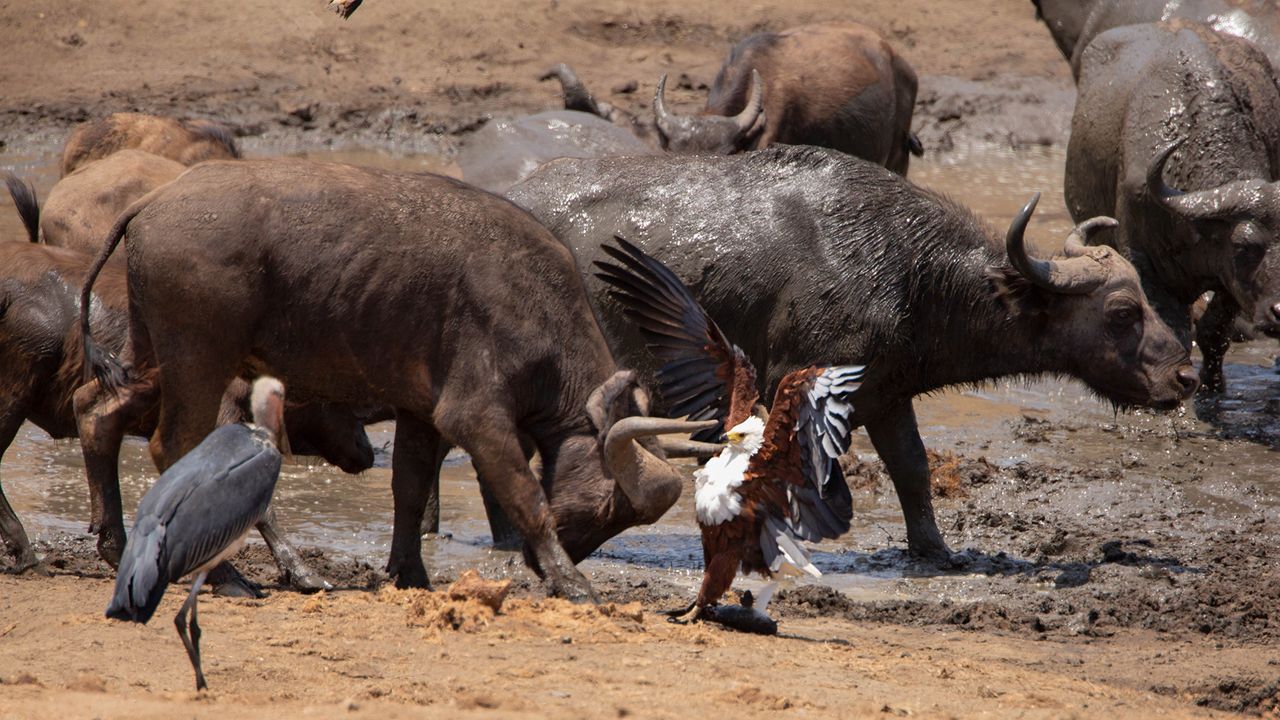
(747, 436)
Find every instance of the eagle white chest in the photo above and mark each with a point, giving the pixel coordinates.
(716, 497)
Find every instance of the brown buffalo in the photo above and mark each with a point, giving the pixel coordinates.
(81, 206)
(836, 84)
(184, 141)
(409, 290)
(40, 368)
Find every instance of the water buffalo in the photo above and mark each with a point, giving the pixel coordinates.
(40, 367)
(409, 290)
(1075, 23)
(185, 141)
(807, 256)
(835, 84)
(716, 133)
(81, 206)
(1212, 100)
(504, 152)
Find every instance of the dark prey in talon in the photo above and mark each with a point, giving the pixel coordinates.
(777, 481)
(198, 514)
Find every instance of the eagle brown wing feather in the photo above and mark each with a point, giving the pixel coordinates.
(703, 375)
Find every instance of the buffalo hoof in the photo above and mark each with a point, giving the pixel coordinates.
(307, 582)
(110, 548)
(574, 589)
(933, 554)
(228, 582)
(29, 565)
(410, 576)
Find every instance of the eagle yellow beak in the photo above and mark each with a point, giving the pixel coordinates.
(733, 437)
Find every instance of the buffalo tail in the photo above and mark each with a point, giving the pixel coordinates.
(99, 363)
(24, 199)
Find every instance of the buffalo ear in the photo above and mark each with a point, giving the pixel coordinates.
(1018, 295)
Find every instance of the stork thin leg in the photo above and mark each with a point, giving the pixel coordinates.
(291, 564)
(192, 643)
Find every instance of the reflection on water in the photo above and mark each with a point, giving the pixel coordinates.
(351, 515)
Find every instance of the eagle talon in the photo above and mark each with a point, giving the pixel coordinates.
(693, 614)
(680, 611)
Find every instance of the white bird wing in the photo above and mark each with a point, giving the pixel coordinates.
(822, 506)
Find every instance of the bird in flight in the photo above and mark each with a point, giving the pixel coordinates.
(198, 514)
(778, 479)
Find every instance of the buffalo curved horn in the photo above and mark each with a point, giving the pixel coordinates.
(1075, 275)
(660, 113)
(746, 119)
(651, 484)
(674, 448)
(601, 400)
(1078, 239)
(1247, 199)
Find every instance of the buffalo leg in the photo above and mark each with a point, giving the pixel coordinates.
(419, 450)
(896, 436)
(431, 505)
(505, 534)
(15, 537)
(102, 422)
(492, 440)
(1213, 335)
(296, 572)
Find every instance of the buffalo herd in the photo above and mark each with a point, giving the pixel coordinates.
(165, 271)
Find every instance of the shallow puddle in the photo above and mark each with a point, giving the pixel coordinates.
(1006, 422)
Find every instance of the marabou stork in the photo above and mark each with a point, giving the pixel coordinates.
(777, 481)
(198, 514)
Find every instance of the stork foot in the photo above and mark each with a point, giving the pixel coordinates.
(228, 582)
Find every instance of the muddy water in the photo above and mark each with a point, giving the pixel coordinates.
(1046, 422)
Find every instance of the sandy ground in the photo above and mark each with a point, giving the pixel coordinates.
(1159, 595)
(397, 654)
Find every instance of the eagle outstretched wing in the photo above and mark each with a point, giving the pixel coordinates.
(795, 479)
(701, 370)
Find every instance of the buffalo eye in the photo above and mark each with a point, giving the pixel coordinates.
(1122, 313)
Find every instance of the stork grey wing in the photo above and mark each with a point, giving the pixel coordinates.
(698, 361)
(231, 477)
(822, 507)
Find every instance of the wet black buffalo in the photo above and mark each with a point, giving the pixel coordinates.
(806, 255)
(40, 364)
(1143, 90)
(504, 152)
(1075, 23)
